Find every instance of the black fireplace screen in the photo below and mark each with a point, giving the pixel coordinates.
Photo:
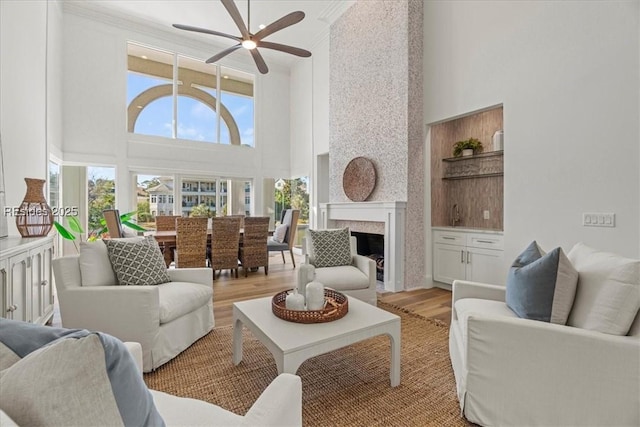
(372, 246)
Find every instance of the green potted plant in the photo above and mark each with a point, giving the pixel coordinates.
(467, 147)
(75, 227)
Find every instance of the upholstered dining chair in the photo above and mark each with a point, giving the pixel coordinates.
(225, 244)
(191, 242)
(254, 252)
(114, 226)
(167, 223)
(290, 221)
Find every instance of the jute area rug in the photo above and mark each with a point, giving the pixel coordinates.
(347, 387)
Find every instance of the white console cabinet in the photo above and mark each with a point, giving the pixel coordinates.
(468, 255)
(26, 291)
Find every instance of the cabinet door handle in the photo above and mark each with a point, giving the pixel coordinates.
(462, 257)
(44, 283)
(4, 275)
(12, 308)
(468, 257)
(486, 241)
(448, 238)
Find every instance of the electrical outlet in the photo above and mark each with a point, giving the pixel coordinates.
(486, 214)
(598, 219)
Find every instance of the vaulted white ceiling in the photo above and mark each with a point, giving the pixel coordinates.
(211, 14)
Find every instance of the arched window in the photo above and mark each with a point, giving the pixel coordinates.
(200, 91)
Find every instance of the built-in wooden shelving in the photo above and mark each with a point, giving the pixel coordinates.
(477, 166)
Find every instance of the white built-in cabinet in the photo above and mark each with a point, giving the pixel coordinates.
(26, 291)
(468, 255)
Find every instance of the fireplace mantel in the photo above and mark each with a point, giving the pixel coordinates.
(393, 215)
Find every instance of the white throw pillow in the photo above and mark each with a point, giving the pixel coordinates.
(280, 233)
(608, 294)
(95, 267)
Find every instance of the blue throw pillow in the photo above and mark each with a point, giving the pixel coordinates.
(542, 286)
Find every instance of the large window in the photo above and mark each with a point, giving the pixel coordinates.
(154, 197)
(101, 194)
(204, 102)
(293, 194)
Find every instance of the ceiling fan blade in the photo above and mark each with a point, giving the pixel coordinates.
(262, 67)
(284, 22)
(219, 56)
(205, 31)
(237, 18)
(284, 48)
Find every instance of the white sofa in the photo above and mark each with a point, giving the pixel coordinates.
(165, 319)
(520, 372)
(280, 404)
(357, 280)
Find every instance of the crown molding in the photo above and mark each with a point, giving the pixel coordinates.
(149, 28)
(329, 15)
(334, 10)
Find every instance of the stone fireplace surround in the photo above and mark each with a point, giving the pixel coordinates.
(393, 215)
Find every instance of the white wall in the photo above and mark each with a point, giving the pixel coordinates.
(320, 107)
(301, 118)
(94, 108)
(23, 27)
(567, 74)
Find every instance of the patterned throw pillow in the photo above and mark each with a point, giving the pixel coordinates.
(137, 263)
(330, 248)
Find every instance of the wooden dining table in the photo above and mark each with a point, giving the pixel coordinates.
(167, 240)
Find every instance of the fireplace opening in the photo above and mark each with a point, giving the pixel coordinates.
(372, 246)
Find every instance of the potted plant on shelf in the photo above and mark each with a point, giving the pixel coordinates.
(467, 147)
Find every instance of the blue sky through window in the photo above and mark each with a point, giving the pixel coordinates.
(196, 120)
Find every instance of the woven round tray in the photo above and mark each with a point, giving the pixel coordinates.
(336, 306)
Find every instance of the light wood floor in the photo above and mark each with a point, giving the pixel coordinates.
(433, 303)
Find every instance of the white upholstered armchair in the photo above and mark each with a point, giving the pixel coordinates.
(515, 371)
(357, 280)
(165, 319)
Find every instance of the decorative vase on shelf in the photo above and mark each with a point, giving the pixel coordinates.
(294, 301)
(315, 296)
(34, 217)
(306, 274)
(467, 152)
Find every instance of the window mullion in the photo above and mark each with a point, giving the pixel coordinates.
(174, 129)
(218, 93)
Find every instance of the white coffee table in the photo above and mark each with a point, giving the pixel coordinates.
(292, 343)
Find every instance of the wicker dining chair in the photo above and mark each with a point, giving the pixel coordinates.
(225, 243)
(191, 242)
(167, 223)
(254, 252)
(238, 216)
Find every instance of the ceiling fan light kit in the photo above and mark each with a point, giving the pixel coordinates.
(250, 41)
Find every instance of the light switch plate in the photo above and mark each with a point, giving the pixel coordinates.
(599, 219)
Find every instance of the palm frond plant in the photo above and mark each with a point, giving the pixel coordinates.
(76, 228)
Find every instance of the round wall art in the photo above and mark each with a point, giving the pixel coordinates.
(359, 179)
